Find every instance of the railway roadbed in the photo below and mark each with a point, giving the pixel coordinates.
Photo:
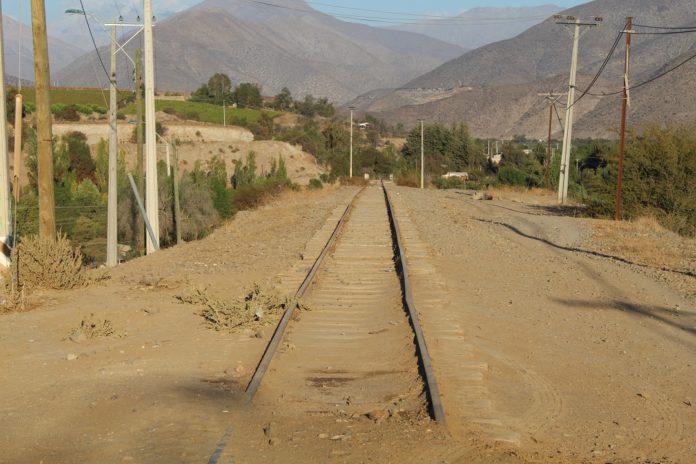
(352, 351)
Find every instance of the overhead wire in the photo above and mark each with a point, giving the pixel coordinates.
(649, 81)
(401, 19)
(610, 54)
(94, 42)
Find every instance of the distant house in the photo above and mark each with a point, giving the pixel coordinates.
(459, 175)
(496, 159)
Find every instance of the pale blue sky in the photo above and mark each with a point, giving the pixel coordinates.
(106, 8)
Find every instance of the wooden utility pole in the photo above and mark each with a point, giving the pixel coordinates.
(552, 99)
(44, 132)
(175, 181)
(5, 228)
(624, 107)
(422, 173)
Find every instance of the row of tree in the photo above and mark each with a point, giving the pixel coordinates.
(219, 90)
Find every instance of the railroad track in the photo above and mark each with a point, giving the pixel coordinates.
(360, 347)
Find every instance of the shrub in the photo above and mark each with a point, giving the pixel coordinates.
(512, 176)
(315, 184)
(66, 113)
(49, 264)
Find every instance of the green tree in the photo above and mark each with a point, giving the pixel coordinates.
(283, 101)
(219, 87)
(247, 95)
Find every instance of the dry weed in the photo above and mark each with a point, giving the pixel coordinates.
(91, 328)
(257, 308)
(48, 264)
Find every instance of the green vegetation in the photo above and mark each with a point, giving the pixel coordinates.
(207, 112)
(93, 97)
(659, 177)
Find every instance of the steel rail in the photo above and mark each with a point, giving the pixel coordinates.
(279, 333)
(432, 388)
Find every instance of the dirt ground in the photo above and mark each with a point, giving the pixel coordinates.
(589, 359)
(201, 142)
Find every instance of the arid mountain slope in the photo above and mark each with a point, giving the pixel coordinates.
(61, 53)
(292, 45)
(544, 50)
(481, 26)
(506, 77)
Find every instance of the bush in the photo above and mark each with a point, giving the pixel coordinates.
(449, 183)
(510, 175)
(65, 113)
(315, 184)
(356, 181)
(49, 264)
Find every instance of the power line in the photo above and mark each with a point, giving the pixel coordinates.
(687, 31)
(663, 27)
(649, 81)
(94, 42)
(449, 21)
(603, 67)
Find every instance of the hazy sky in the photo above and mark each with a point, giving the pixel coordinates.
(109, 8)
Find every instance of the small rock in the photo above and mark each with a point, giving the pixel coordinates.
(377, 415)
(322, 436)
(258, 334)
(688, 402)
(71, 357)
(239, 369)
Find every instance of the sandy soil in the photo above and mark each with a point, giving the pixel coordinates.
(580, 358)
(552, 355)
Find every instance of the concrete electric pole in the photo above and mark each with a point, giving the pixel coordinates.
(568, 132)
(44, 131)
(352, 108)
(112, 218)
(624, 108)
(151, 193)
(5, 220)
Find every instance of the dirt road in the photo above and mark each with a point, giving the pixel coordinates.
(542, 354)
(563, 353)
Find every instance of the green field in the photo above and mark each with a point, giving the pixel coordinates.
(204, 112)
(76, 96)
(207, 112)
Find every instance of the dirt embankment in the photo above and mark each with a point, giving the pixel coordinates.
(201, 142)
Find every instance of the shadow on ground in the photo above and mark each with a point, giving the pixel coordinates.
(584, 251)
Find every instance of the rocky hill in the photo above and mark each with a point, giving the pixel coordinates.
(289, 44)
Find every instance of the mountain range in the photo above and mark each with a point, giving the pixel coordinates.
(283, 44)
(495, 88)
(60, 52)
(481, 26)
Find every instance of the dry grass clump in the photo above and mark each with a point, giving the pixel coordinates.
(42, 263)
(91, 328)
(257, 308)
(646, 241)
